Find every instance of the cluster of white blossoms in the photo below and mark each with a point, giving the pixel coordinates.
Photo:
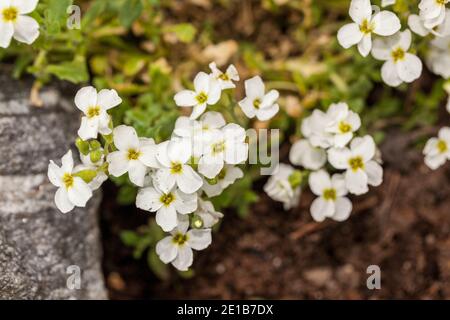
(14, 22)
(329, 137)
(177, 177)
(392, 45)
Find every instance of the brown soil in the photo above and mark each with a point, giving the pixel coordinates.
(402, 226)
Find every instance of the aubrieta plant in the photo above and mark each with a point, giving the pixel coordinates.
(180, 150)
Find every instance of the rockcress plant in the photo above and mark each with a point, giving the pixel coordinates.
(178, 177)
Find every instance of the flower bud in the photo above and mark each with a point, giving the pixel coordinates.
(196, 221)
(83, 146)
(96, 155)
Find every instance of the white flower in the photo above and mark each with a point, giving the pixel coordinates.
(225, 79)
(303, 154)
(226, 177)
(207, 214)
(167, 205)
(417, 25)
(94, 106)
(385, 3)
(14, 23)
(437, 150)
(134, 155)
(313, 128)
(432, 12)
(342, 124)
(72, 190)
(384, 23)
(257, 102)
(173, 156)
(438, 58)
(400, 66)
(207, 92)
(280, 188)
(199, 132)
(177, 248)
(362, 170)
(227, 146)
(331, 201)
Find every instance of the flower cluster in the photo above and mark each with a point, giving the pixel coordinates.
(394, 48)
(392, 45)
(328, 137)
(176, 177)
(14, 22)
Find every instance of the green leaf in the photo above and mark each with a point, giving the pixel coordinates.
(158, 267)
(73, 71)
(130, 238)
(56, 15)
(83, 146)
(130, 11)
(185, 32)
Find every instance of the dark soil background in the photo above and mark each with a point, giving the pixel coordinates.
(402, 226)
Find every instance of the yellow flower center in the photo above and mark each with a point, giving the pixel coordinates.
(93, 111)
(366, 27)
(179, 239)
(202, 97)
(224, 77)
(218, 147)
(344, 127)
(167, 199)
(329, 194)
(67, 180)
(441, 2)
(398, 54)
(176, 168)
(10, 14)
(256, 103)
(356, 163)
(442, 146)
(133, 154)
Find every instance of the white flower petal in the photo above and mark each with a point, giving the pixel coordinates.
(6, 33)
(349, 35)
(55, 174)
(410, 68)
(88, 129)
(199, 239)
(189, 181)
(343, 209)
(356, 181)
(197, 111)
(25, 6)
(365, 45)
(389, 74)
(108, 99)
(254, 88)
(185, 203)
(202, 82)
(79, 193)
(148, 199)
(321, 209)
(386, 23)
(164, 179)
(26, 29)
(136, 172)
(118, 163)
(415, 23)
(166, 249)
(360, 10)
(186, 98)
(86, 97)
(62, 201)
(67, 162)
(319, 181)
(338, 158)
(247, 107)
(166, 218)
(364, 147)
(125, 138)
(267, 113)
(374, 173)
(184, 259)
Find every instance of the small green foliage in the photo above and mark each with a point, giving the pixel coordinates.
(86, 175)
